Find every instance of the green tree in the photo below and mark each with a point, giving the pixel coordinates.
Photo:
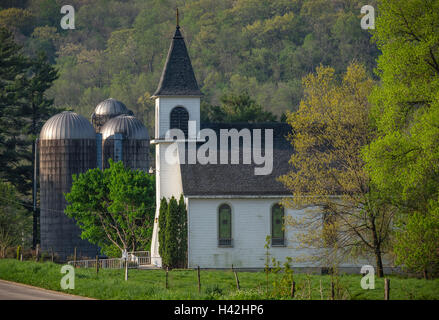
(328, 132)
(406, 101)
(416, 245)
(171, 258)
(182, 232)
(162, 227)
(403, 160)
(13, 68)
(15, 224)
(114, 207)
(24, 107)
(237, 108)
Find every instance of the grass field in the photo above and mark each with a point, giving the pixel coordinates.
(150, 284)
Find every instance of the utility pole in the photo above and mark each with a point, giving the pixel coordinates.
(34, 195)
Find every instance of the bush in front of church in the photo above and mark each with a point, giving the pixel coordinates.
(173, 233)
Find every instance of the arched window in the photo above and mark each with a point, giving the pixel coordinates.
(224, 225)
(179, 119)
(277, 225)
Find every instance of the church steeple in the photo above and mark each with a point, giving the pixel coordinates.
(178, 78)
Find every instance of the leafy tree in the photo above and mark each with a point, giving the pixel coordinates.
(328, 132)
(403, 159)
(114, 206)
(17, 20)
(416, 245)
(15, 224)
(237, 108)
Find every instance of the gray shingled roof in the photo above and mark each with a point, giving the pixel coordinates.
(178, 77)
(239, 179)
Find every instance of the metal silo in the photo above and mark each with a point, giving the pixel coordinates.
(126, 138)
(67, 145)
(107, 110)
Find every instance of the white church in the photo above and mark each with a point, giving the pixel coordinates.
(231, 210)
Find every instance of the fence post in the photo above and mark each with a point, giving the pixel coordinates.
(386, 289)
(321, 290)
(51, 254)
(332, 290)
(199, 280)
(166, 284)
(37, 252)
(126, 268)
(18, 252)
(74, 258)
(236, 278)
(97, 265)
(293, 289)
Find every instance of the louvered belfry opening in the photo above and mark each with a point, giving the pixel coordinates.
(179, 119)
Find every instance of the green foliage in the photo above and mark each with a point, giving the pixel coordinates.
(262, 47)
(328, 133)
(236, 108)
(416, 246)
(182, 232)
(173, 233)
(219, 284)
(162, 227)
(114, 206)
(23, 109)
(403, 160)
(15, 225)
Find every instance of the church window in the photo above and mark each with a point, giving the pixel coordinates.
(225, 225)
(277, 225)
(179, 119)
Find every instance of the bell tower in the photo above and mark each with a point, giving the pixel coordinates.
(177, 101)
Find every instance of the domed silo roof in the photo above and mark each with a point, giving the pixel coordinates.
(67, 125)
(111, 107)
(129, 126)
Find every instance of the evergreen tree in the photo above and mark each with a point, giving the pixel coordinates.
(162, 228)
(23, 110)
(182, 232)
(13, 67)
(171, 235)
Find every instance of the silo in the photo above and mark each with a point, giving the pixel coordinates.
(107, 110)
(67, 145)
(126, 138)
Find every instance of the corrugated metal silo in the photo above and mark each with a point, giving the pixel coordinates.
(67, 145)
(126, 138)
(107, 110)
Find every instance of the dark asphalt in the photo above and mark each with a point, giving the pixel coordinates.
(15, 291)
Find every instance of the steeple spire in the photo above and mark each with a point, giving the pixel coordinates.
(178, 78)
(178, 22)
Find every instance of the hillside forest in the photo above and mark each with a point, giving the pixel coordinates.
(118, 48)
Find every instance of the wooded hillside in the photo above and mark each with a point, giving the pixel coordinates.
(118, 48)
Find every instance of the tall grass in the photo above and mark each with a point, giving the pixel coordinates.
(150, 284)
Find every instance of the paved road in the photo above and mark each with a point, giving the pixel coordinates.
(15, 291)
